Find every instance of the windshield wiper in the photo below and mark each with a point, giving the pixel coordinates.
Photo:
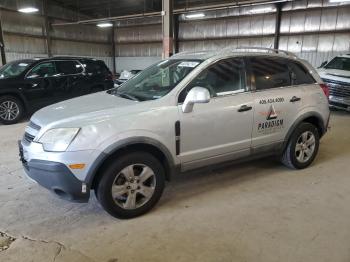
(127, 96)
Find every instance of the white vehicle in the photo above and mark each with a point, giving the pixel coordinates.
(125, 76)
(187, 112)
(336, 74)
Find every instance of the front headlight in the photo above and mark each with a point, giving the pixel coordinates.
(58, 139)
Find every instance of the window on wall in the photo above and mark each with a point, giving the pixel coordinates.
(270, 72)
(224, 77)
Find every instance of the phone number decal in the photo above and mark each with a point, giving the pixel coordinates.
(271, 100)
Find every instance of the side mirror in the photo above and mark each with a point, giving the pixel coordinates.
(196, 95)
(323, 64)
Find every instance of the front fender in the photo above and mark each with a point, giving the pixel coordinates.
(129, 141)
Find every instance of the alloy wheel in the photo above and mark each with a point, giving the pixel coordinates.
(9, 110)
(133, 186)
(305, 146)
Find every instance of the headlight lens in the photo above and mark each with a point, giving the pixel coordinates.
(58, 139)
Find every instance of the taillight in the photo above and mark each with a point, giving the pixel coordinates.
(325, 89)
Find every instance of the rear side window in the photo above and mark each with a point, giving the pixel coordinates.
(95, 67)
(68, 67)
(270, 72)
(300, 75)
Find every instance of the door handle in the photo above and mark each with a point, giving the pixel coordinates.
(295, 99)
(244, 108)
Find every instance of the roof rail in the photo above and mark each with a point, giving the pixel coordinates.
(272, 50)
(192, 52)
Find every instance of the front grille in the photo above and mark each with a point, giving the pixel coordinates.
(338, 105)
(28, 137)
(34, 126)
(337, 88)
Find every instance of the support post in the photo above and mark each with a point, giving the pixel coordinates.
(113, 51)
(47, 29)
(176, 33)
(2, 44)
(278, 25)
(167, 24)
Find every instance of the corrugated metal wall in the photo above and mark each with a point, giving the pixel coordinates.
(314, 30)
(144, 40)
(24, 37)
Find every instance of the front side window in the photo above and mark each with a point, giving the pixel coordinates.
(157, 80)
(224, 77)
(68, 67)
(340, 63)
(14, 69)
(300, 75)
(270, 72)
(46, 69)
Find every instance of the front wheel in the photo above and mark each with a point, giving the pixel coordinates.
(131, 185)
(302, 147)
(11, 110)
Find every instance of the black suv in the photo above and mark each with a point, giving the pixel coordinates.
(28, 85)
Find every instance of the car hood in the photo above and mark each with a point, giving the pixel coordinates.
(89, 108)
(341, 75)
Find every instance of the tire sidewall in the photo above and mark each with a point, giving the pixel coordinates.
(294, 139)
(104, 195)
(20, 107)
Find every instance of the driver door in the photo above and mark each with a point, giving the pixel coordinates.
(220, 130)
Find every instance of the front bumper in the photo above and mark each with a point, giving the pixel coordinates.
(51, 171)
(57, 178)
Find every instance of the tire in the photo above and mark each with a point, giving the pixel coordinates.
(302, 147)
(132, 194)
(11, 110)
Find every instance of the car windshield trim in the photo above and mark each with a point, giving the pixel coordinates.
(339, 63)
(157, 80)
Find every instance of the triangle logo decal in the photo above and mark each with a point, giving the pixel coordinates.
(272, 113)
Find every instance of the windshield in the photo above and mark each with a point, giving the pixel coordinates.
(157, 80)
(14, 69)
(340, 63)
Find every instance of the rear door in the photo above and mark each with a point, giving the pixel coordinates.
(98, 76)
(72, 78)
(277, 101)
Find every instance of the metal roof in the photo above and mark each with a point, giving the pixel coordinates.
(109, 8)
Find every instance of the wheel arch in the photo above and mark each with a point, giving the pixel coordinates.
(18, 96)
(311, 117)
(140, 144)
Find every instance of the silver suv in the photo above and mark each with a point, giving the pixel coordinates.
(190, 111)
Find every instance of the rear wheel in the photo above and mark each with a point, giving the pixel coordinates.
(302, 148)
(11, 110)
(131, 185)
